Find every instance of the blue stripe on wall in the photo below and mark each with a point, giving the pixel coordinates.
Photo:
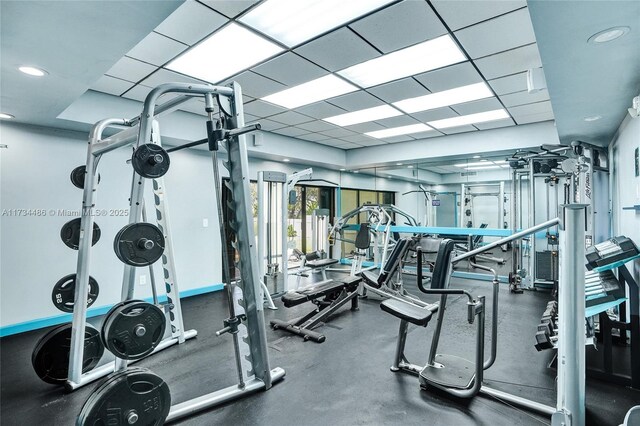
(92, 312)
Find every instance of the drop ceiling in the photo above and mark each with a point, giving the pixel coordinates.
(497, 40)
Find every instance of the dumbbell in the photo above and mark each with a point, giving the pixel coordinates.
(548, 328)
(549, 320)
(544, 341)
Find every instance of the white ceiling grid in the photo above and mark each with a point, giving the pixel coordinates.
(495, 36)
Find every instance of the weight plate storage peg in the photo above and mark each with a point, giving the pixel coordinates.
(135, 396)
(133, 329)
(50, 357)
(70, 233)
(77, 176)
(64, 292)
(139, 244)
(150, 161)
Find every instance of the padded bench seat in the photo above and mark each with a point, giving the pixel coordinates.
(320, 263)
(408, 312)
(298, 297)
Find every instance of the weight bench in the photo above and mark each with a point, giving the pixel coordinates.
(312, 262)
(328, 298)
(390, 267)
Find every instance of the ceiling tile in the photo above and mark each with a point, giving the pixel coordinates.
(338, 133)
(435, 114)
(459, 14)
(256, 85)
(131, 69)
(361, 139)
(137, 93)
(459, 129)
(352, 50)
(230, 8)
(111, 85)
(355, 101)
(191, 22)
(348, 145)
(425, 135)
(522, 98)
(289, 69)
(291, 118)
(400, 25)
(320, 110)
(400, 120)
(332, 142)
(495, 124)
(499, 34)
(374, 142)
(450, 77)
(262, 109)
(269, 125)
(399, 90)
(165, 76)
(316, 126)
(509, 62)
(313, 137)
(481, 105)
(156, 49)
(196, 106)
(291, 131)
(365, 127)
(401, 138)
(534, 118)
(510, 84)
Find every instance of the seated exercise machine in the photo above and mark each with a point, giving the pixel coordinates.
(328, 297)
(383, 284)
(312, 262)
(464, 379)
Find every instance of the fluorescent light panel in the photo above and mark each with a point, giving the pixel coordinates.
(294, 21)
(422, 57)
(363, 116)
(462, 120)
(445, 98)
(397, 131)
(311, 91)
(223, 54)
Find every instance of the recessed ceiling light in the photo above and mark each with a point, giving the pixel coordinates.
(342, 170)
(462, 120)
(422, 57)
(476, 156)
(593, 118)
(398, 164)
(478, 163)
(36, 72)
(608, 35)
(364, 115)
(311, 91)
(356, 171)
(205, 60)
(286, 160)
(484, 168)
(455, 96)
(409, 167)
(5, 116)
(402, 130)
(293, 21)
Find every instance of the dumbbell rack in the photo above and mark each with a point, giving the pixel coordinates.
(97, 147)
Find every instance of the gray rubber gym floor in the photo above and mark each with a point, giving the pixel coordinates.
(343, 381)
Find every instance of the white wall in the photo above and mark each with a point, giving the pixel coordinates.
(625, 187)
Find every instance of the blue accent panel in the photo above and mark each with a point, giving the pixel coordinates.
(91, 312)
(596, 309)
(616, 264)
(478, 277)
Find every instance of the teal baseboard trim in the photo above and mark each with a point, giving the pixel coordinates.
(36, 324)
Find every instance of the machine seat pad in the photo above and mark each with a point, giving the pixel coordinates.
(370, 278)
(298, 297)
(406, 311)
(320, 263)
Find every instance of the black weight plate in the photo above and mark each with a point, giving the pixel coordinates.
(77, 176)
(135, 396)
(70, 233)
(130, 241)
(133, 330)
(150, 161)
(103, 333)
(50, 357)
(63, 294)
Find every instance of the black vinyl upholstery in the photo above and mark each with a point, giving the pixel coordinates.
(362, 238)
(297, 297)
(441, 267)
(407, 311)
(390, 267)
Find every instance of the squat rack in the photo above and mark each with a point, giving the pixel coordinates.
(246, 322)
